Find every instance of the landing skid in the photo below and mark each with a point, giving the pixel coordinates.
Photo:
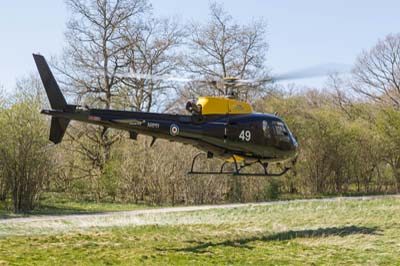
(237, 169)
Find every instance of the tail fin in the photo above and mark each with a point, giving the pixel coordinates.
(57, 101)
(57, 129)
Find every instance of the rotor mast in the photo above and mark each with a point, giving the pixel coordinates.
(230, 83)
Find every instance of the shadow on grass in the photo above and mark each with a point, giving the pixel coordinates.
(283, 236)
(47, 210)
(53, 210)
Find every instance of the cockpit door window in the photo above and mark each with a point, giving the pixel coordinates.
(265, 129)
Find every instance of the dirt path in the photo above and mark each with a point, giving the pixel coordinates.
(180, 209)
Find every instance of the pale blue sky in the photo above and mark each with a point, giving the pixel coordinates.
(300, 33)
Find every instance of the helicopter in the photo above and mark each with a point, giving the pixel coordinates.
(222, 127)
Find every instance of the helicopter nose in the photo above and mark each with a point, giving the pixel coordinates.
(294, 146)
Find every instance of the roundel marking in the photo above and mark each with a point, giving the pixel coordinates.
(174, 130)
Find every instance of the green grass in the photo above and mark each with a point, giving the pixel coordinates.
(360, 232)
(52, 202)
(61, 204)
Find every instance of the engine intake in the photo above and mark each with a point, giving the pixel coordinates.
(193, 108)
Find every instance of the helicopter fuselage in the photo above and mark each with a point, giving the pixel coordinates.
(250, 136)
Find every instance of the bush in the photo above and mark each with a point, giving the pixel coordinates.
(25, 161)
(271, 190)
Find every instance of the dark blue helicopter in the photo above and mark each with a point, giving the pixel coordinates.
(220, 126)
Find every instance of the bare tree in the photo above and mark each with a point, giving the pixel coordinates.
(151, 49)
(377, 76)
(340, 96)
(106, 40)
(377, 72)
(94, 53)
(92, 60)
(223, 48)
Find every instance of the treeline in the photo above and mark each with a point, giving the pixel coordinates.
(344, 149)
(349, 134)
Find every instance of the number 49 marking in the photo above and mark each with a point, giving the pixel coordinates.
(245, 135)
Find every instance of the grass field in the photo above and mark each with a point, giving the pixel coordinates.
(62, 204)
(358, 232)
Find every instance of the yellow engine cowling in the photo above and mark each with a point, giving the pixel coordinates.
(219, 105)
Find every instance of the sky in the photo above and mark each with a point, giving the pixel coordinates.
(300, 34)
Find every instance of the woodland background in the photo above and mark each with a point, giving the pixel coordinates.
(349, 132)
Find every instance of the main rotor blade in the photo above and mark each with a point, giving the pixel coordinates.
(157, 77)
(312, 72)
(170, 78)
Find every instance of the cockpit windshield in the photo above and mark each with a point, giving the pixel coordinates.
(280, 129)
(277, 128)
